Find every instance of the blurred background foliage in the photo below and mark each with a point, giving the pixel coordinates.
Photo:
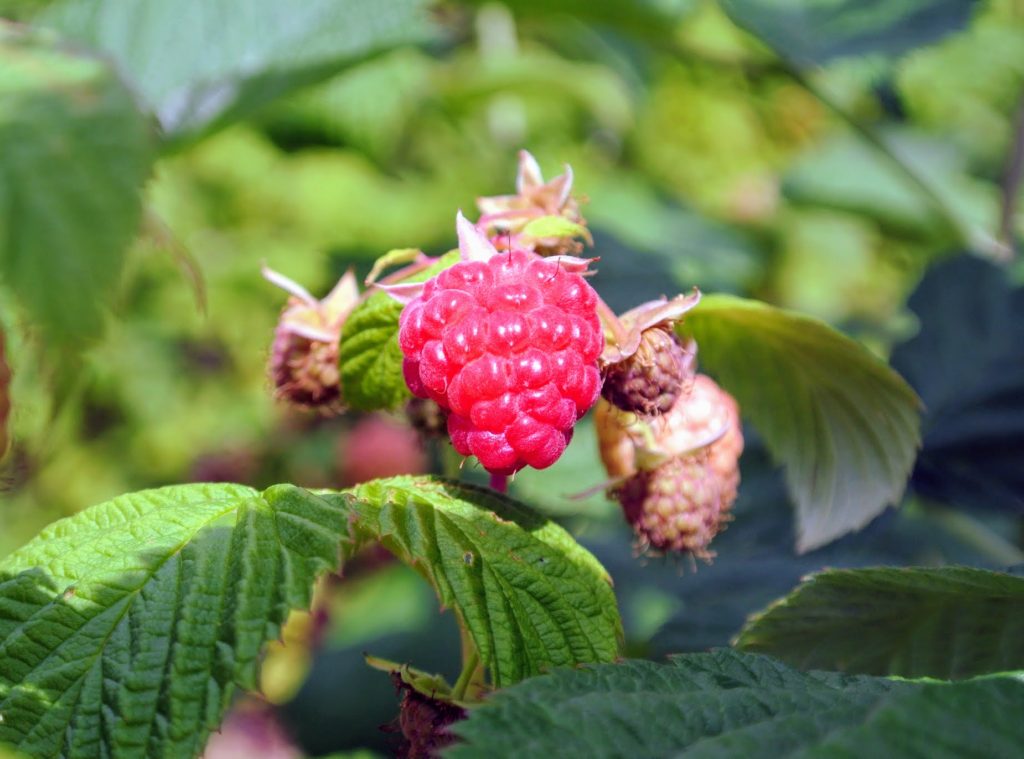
(823, 156)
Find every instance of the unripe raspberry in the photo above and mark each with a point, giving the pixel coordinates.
(650, 380)
(305, 372)
(508, 345)
(304, 357)
(681, 469)
(646, 367)
(676, 507)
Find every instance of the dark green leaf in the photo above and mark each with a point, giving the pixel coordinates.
(728, 704)
(756, 564)
(125, 629)
(531, 597)
(75, 153)
(844, 424)
(201, 63)
(966, 363)
(369, 357)
(814, 31)
(948, 622)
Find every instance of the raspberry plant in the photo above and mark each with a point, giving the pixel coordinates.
(129, 629)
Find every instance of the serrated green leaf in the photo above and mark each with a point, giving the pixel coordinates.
(369, 358)
(947, 622)
(815, 31)
(230, 57)
(728, 704)
(125, 629)
(76, 151)
(531, 597)
(844, 424)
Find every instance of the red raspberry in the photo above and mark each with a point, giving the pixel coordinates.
(508, 345)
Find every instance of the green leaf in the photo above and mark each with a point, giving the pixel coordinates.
(230, 57)
(76, 151)
(844, 424)
(125, 629)
(948, 622)
(369, 358)
(848, 174)
(531, 597)
(728, 704)
(554, 226)
(815, 31)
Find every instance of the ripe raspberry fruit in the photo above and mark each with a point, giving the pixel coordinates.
(507, 344)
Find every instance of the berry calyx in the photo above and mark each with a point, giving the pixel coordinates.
(505, 218)
(507, 344)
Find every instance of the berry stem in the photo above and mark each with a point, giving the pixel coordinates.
(611, 321)
(466, 676)
(470, 686)
(499, 482)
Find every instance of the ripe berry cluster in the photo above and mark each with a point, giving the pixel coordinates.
(509, 347)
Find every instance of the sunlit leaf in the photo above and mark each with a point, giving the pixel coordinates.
(531, 597)
(369, 357)
(126, 629)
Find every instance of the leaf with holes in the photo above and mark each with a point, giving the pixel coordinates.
(531, 597)
(948, 622)
(728, 704)
(845, 425)
(76, 151)
(124, 630)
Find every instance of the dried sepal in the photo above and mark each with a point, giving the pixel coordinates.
(505, 218)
